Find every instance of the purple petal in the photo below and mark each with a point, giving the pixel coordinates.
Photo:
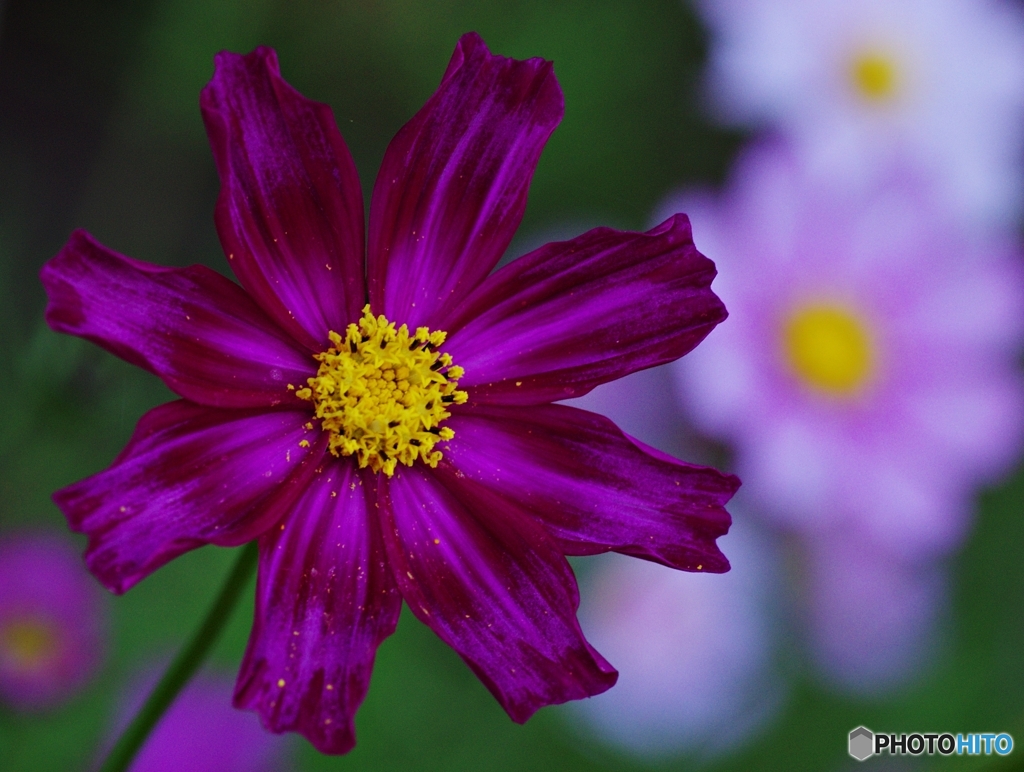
(189, 476)
(594, 488)
(452, 188)
(324, 602)
(290, 212)
(197, 330)
(571, 315)
(489, 582)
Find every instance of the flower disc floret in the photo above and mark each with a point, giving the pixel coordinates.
(382, 393)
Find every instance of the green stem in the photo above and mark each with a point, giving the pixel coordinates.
(185, 664)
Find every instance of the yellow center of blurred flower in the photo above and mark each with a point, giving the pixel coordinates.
(875, 76)
(382, 393)
(27, 644)
(829, 348)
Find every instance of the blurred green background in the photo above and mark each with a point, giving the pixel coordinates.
(100, 129)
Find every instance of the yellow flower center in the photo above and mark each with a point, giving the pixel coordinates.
(829, 348)
(382, 393)
(875, 76)
(27, 644)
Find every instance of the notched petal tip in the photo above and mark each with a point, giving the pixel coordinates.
(198, 331)
(65, 308)
(189, 476)
(65, 500)
(64, 304)
(590, 675)
(571, 315)
(679, 223)
(594, 488)
(472, 51)
(333, 736)
(325, 600)
(487, 579)
(453, 185)
(718, 488)
(290, 210)
(228, 67)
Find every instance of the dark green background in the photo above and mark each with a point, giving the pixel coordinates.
(100, 129)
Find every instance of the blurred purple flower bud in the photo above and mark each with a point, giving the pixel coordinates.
(202, 732)
(52, 621)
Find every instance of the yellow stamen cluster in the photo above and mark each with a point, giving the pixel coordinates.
(382, 393)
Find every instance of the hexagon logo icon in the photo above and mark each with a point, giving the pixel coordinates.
(862, 741)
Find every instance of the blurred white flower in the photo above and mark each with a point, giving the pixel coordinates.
(858, 84)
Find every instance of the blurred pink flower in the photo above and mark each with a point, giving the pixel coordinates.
(201, 732)
(872, 621)
(697, 659)
(856, 84)
(695, 654)
(52, 621)
(867, 376)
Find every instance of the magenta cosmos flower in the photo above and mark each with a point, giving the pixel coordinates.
(320, 415)
(52, 622)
